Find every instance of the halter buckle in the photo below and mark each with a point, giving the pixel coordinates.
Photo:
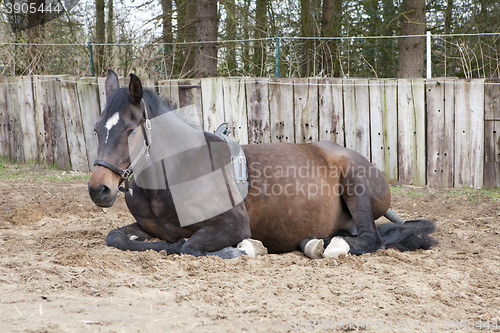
(126, 173)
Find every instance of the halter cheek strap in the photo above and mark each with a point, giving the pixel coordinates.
(128, 173)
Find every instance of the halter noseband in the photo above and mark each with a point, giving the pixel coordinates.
(129, 172)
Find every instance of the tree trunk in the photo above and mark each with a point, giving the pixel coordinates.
(167, 37)
(330, 27)
(389, 47)
(100, 36)
(259, 60)
(36, 21)
(412, 49)
(307, 31)
(206, 31)
(447, 30)
(247, 65)
(190, 36)
(110, 32)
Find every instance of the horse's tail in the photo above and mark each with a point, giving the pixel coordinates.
(393, 217)
(409, 236)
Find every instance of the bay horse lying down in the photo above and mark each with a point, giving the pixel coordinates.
(320, 198)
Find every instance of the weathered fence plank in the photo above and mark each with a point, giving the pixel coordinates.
(492, 133)
(27, 118)
(448, 160)
(50, 121)
(306, 110)
(281, 110)
(190, 94)
(101, 82)
(257, 93)
(469, 133)
(331, 110)
(88, 97)
(235, 109)
(357, 116)
(212, 103)
(477, 138)
(58, 125)
(74, 126)
(4, 118)
(169, 91)
(384, 126)
(411, 132)
(440, 132)
(42, 134)
(13, 107)
(435, 132)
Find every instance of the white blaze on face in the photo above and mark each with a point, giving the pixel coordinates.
(112, 121)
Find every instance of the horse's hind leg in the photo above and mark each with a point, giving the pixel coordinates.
(367, 239)
(314, 248)
(132, 237)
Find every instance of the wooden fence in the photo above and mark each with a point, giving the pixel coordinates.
(442, 133)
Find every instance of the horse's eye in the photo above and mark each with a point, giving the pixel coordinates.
(131, 132)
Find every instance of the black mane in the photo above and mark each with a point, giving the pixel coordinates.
(120, 98)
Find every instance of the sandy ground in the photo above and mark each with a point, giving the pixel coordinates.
(57, 275)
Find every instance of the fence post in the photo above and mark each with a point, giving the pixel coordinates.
(91, 56)
(429, 64)
(277, 55)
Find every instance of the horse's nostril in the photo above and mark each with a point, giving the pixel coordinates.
(99, 193)
(105, 191)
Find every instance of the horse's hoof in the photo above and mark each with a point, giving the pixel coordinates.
(314, 248)
(252, 247)
(336, 247)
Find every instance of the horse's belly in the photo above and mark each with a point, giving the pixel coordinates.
(292, 194)
(282, 223)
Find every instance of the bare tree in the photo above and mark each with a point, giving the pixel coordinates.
(412, 49)
(260, 31)
(100, 36)
(330, 27)
(36, 21)
(307, 29)
(206, 32)
(110, 34)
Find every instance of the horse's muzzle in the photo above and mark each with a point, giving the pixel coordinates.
(102, 195)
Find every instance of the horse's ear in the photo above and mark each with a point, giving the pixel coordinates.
(135, 89)
(112, 83)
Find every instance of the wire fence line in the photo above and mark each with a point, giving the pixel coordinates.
(475, 55)
(256, 40)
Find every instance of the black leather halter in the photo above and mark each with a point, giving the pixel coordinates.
(129, 172)
(125, 174)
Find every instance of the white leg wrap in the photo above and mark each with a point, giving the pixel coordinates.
(314, 248)
(252, 247)
(336, 247)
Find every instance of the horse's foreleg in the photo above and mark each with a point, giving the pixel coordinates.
(133, 238)
(218, 239)
(250, 247)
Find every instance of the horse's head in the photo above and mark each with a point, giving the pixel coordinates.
(123, 113)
